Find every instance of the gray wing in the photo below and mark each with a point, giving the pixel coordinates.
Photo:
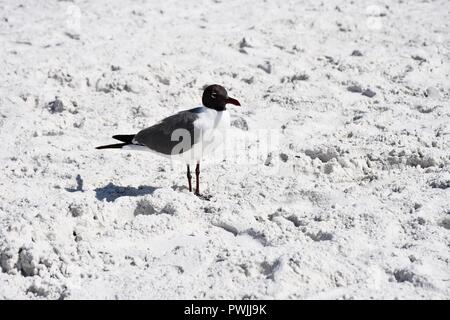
(159, 136)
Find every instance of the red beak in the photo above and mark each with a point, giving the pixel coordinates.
(233, 101)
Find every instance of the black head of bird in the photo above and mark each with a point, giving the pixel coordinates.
(216, 97)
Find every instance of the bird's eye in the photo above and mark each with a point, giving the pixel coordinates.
(213, 95)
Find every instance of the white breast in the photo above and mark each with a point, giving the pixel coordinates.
(212, 126)
(210, 119)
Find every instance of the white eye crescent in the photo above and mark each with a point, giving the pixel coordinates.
(213, 95)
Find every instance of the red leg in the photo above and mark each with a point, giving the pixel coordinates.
(197, 179)
(189, 176)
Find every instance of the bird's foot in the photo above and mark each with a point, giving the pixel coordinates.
(206, 197)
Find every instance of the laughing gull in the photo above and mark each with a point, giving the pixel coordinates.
(186, 135)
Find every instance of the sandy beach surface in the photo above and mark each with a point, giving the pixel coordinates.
(349, 200)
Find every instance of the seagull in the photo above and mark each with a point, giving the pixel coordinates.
(186, 135)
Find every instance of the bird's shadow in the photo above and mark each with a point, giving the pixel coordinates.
(111, 192)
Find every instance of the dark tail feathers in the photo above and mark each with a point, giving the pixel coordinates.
(113, 146)
(125, 138)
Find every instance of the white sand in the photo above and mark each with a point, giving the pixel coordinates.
(358, 208)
